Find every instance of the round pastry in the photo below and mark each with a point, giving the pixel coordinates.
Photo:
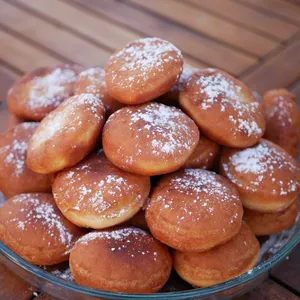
(66, 135)
(15, 176)
(221, 263)
(267, 177)
(204, 156)
(172, 96)
(13, 120)
(96, 194)
(32, 226)
(139, 220)
(149, 139)
(283, 120)
(194, 210)
(124, 259)
(92, 81)
(269, 223)
(40, 91)
(143, 70)
(223, 107)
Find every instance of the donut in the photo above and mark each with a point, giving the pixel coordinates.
(66, 135)
(172, 96)
(124, 259)
(143, 70)
(269, 223)
(204, 156)
(40, 91)
(223, 107)
(92, 81)
(149, 139)
(13, 120)
(96, 194)
(15, 176)
(266, 176)
(194, 210)
(221, 263)
(139, 220)
(32, 226)
(283, 120)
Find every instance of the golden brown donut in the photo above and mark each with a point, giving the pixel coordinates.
(267, 177)
(221, 263)
(92, 81)
(149, 139)
(282, 116)
(204, 156)
(194, 210)
(172, 96)
(15, 176)
(223, 107)
(32, 226)
(66, 135)
(97, 194)
(139, 220)
(13, 120)
(124, 259)
(143, 70)
(40, 91)
(269, 223)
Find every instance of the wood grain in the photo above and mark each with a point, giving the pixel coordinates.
(206, 50)
(21, 55)
(248, 17)
(280, 70)
(15, 288)
(52, 37)
(210, 25)
(7, 78)
(286, 10)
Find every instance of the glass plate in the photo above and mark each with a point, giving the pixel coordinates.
(57, 281)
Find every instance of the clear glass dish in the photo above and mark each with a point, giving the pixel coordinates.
(56, 281)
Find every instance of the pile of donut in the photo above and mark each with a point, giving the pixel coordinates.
(115, 170)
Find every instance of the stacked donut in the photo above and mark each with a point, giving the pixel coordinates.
(115, 170)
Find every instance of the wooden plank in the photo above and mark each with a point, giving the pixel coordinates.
(248, 17)
(287, 10)
(52, 37)
(7, 78)
(269, 290)
(208, 51)
(280, 70)
(21, 55)
(97, 29)
(288, 272)
(209, 25)
(12, 287)
(43, 297)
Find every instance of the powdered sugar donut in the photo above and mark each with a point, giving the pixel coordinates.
(204, 156)
(221, 263)
(267, 177)
(269, 223)
(223, 107)
(143, 70)
(149, 139)
(66, 135)
(15, 176)
(282, 116)
(124, 259)
(92, 81)
(32, 226)
(40, 91)
(97, 194)
(194, 210)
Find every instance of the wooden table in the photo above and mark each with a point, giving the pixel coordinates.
(255, 40)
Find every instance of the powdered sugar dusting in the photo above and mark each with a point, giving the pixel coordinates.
(41, 213)
(216, 89)
(52, 89)
(263, 160)
(141, 58)
(186, 72)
